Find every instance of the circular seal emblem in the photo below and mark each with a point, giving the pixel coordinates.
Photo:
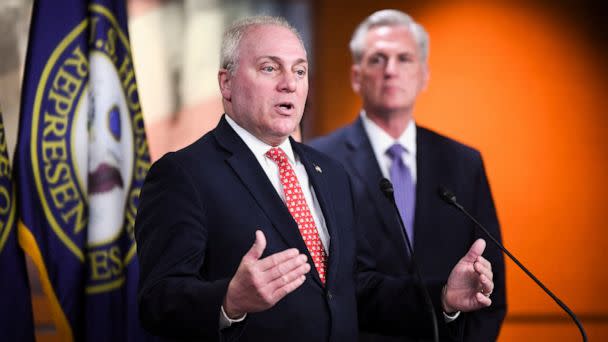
(89, 147)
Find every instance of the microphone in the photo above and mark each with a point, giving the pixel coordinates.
(450, 198)
(387, 189)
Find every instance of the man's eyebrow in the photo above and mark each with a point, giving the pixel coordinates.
(279, 60)
(301, 61)
(378, 54)
(381, 53)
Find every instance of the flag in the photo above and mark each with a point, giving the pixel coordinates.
(16, 320)
(80, 164)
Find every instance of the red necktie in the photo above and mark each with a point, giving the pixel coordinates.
(296, 203)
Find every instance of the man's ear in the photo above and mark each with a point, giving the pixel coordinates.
(355, 78)
(224, 78)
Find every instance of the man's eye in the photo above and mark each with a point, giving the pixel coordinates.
(376, 60)
(405, 58)
(301, 73)
(268, 68)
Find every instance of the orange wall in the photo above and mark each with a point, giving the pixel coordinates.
(526, 86)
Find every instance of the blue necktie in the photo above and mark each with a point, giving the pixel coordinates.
(405, 194)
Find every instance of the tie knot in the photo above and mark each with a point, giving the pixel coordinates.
(395, 151)
(277, 155)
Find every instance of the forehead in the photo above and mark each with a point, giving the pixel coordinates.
(271, 40)
(390, 38)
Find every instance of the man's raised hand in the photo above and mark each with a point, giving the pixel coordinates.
(260, 283)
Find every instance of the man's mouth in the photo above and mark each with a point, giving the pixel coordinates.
(104, 179)
(285, 107)
(391, 87)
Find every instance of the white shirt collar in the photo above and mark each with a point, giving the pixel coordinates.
(381, 141)
(257, 146)
(271, 169)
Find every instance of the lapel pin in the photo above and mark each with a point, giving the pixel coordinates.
(318, 168)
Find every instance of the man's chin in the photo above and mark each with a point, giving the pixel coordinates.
(388, 110)
(285, 130)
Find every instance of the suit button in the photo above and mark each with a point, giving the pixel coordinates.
(329, 295)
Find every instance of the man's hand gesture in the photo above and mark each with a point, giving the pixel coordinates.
(470, 283)
(260, 283)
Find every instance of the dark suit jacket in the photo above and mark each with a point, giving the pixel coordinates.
(198, 213)
(442, 235)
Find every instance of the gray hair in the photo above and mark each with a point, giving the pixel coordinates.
(229, 53)
(388, 17)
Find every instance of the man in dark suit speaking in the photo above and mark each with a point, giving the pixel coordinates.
(390, 52)
(247, 235)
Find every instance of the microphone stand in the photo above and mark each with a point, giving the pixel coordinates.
(387, 188)
(450, 198)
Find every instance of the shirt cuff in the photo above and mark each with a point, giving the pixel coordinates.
(447, 318)
(226, 322)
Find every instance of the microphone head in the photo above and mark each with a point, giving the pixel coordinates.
(446, 195)
(387, 188)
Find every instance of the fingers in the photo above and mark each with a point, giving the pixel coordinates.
(285, 267)
(475, 251)
(259, 284)
(483, 266)
(279, 270)
(278, 281)
(289, 287)
(483, 300)
(487, 285)
(279, 258)
(289, 276)
(484, 269)
(484, 263)
(287, 283)
(255, 252)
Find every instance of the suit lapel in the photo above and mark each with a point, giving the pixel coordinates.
(362, 160)
(321, 187)
(253, 177)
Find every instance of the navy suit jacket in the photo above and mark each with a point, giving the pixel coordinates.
(198, 213)
(442, 235)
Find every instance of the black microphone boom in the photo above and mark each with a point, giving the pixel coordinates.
(387, 189)
(450, 198)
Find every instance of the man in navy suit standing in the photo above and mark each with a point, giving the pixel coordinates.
(248, 235)
(390, 52)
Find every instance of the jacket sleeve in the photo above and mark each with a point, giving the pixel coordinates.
(174, 299)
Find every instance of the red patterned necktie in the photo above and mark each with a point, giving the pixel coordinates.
(296, 203)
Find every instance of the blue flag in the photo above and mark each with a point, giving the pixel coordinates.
(80, 164)
(16, 322)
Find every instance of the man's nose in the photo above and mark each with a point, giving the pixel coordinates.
(288, 82)
(391, 67)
